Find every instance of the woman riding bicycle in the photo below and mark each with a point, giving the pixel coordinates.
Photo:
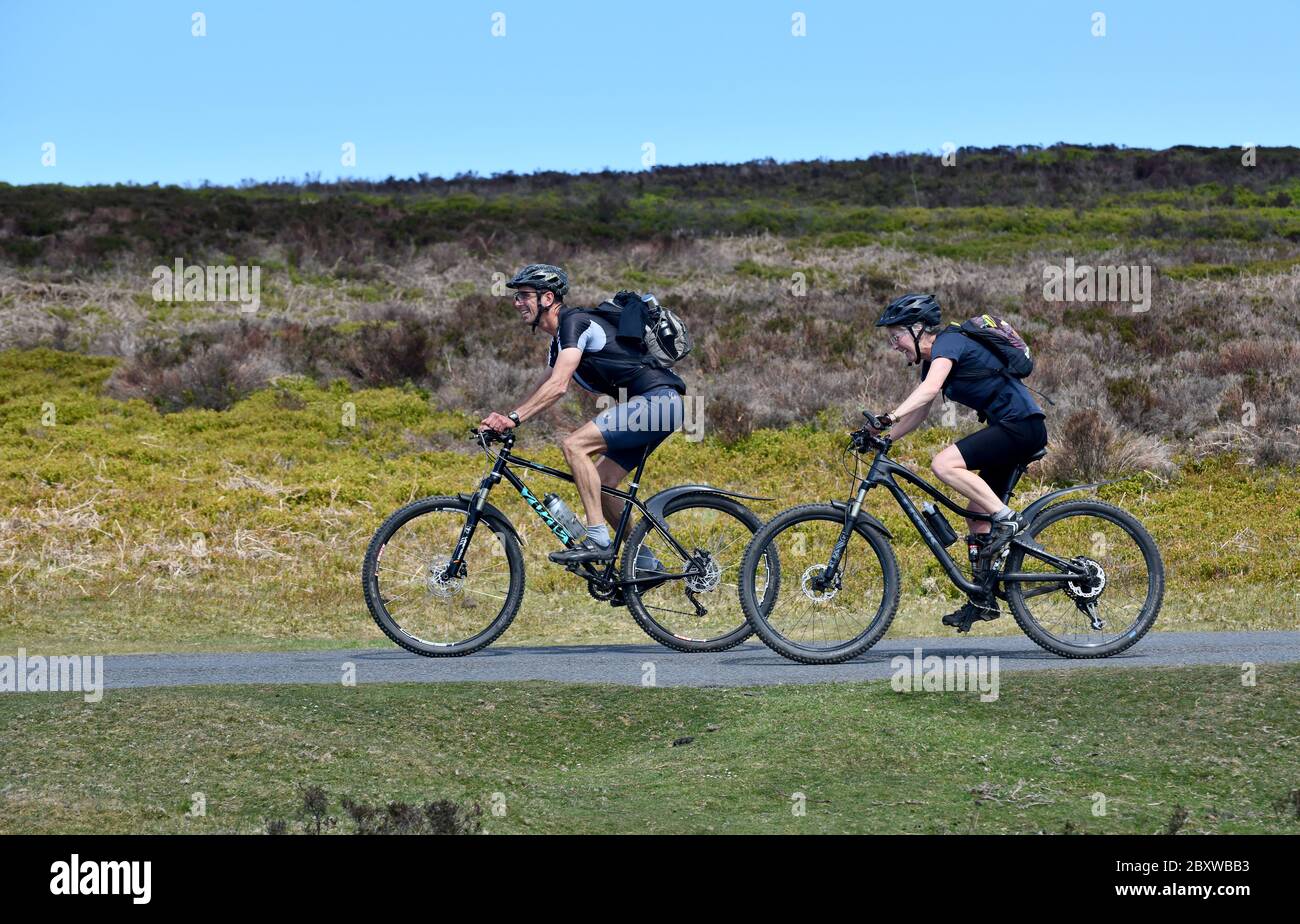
(978, 466)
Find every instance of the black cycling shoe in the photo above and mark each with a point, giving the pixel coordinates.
(996, 540)
(969, 614)
(584, 552)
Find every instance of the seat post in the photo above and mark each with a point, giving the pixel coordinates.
(1020, 470)
(1015, 479)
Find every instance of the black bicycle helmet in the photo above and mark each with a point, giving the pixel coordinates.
(542, 277)
(910, 309)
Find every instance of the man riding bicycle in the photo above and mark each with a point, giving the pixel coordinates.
(1016, 429)
(585, 346)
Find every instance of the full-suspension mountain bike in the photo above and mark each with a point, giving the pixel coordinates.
(1084, 579)
(444, 576)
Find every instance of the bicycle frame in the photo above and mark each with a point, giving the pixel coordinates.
(883, 472)
(606, 577)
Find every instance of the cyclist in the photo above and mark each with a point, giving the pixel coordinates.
(585, 347)
(967, 372)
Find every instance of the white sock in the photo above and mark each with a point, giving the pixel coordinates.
(1003, 513)
(598, 534)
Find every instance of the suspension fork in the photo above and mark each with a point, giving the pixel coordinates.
(826, 578)
(456, 567)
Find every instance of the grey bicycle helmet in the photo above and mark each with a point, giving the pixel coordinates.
(542, 277)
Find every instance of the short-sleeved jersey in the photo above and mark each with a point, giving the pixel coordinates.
(978, 381)
(607, 365)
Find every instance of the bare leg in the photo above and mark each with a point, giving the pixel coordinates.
(611, 476)
(950, 468)
(578, 448)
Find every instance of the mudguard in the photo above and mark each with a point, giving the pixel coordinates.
(864, 517)
(658, 502)
(495, 515)
(1037, 506)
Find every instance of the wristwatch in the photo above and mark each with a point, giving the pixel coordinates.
(514, 417)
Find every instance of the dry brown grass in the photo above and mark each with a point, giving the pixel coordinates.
(765, 357)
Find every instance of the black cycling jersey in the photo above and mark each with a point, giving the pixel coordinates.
(607, 364)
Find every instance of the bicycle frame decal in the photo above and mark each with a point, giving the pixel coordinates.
(545, 514)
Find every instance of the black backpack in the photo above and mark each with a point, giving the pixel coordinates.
(1000, 339)
(642, 322)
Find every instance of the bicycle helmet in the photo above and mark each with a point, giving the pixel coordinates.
(544, 278)
(908, 311)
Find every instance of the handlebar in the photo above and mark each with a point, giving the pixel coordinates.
(870, 437)
(485, 436)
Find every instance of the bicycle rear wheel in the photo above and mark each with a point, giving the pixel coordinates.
(714, 530)
(1115, 547)
(414, 606)
(802, 622)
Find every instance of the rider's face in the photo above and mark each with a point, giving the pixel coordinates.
(900, 340)
(526, 304)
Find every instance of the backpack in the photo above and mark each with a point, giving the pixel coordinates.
(1000, 339)
(661, 334)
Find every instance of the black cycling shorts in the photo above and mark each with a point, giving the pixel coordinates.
(996, 450)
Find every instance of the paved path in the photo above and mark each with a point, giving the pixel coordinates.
(749, 665)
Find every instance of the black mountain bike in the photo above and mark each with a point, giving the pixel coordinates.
(1084, 579)
(444, 576)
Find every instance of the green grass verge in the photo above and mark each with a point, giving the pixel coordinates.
(574, 758)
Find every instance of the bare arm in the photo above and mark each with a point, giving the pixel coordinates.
(910, 421)
(916, 406)
(549, 389)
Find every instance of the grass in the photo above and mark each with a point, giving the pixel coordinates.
(129, 530)
(574, 758)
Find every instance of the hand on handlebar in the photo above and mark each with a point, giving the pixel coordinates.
(497, 422)
(877, 424)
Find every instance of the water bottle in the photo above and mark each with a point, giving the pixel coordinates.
(938, 524)
(560, 511)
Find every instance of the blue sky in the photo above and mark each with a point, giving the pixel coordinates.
(126, 92)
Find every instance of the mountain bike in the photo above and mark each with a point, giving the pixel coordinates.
(1084, 579)
(444, 576)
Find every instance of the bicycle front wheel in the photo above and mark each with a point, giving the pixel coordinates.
(425, 612)
(808, 621)
(702, 612)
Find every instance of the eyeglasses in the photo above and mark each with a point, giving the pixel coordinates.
(521, 297)
(895, 338)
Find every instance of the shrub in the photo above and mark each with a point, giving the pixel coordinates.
(1087, 448)
(212, 377)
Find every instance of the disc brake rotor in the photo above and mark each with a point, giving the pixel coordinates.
(710, 576)
(811, 592)
(1096, 584)
(436, 586)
